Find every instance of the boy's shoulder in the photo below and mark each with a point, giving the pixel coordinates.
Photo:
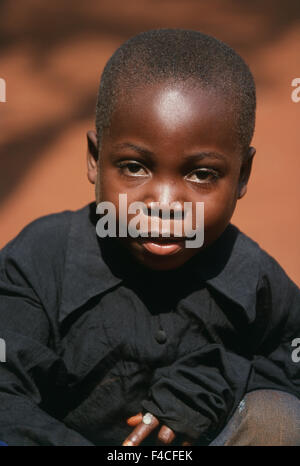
(46, 232)
(38, 240)
(248, 257)
(37, 255)
(266, 266)
(58, 256)
(245, 273)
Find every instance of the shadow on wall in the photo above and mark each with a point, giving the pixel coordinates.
(40, 29)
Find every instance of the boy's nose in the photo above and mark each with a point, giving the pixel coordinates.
(162, 198)
(170, 210)
(166, 193)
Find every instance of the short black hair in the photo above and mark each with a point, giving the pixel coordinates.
(179, 55)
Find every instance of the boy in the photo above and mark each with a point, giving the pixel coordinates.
(100, 331)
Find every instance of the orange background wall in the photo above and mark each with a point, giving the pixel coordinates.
(52, 55)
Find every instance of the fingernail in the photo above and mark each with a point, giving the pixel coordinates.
(134, 419)
(127, 443)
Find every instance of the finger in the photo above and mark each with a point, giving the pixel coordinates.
(141, 431)
(165, 435)
(134, 420)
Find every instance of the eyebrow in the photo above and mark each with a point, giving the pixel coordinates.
(204, 155)
(147, 153)
(140, 150)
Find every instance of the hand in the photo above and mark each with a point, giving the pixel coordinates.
(165, 435)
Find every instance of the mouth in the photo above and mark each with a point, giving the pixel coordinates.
(163, 246)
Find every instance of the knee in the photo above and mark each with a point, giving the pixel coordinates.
(272, 417)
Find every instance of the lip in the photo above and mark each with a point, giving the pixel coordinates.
(163, 246)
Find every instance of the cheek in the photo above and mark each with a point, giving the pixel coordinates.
(109, 185)
(218, 212)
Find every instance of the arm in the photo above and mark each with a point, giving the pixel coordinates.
(193, 397)
(278, 316)
(30, 371)
(204, 387)
(196, 395)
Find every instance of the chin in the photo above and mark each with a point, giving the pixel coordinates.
(161, 263)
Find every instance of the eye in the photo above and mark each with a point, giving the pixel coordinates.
(133, 168)
(203, 175)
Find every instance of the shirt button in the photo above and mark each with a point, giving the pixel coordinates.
(161, 336)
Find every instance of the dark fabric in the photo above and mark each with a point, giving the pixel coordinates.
(263, 418)
(93, 338)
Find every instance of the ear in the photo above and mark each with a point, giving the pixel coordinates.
(245, 171)
(92, 157)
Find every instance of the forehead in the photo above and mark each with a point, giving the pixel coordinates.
(177, 114)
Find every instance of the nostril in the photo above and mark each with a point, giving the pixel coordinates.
(173, 211)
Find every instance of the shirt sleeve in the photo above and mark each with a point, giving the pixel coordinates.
(275, 363)
(29, 366)
(199, 392)
(196, 395)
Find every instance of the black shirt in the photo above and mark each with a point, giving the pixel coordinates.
(93, 338)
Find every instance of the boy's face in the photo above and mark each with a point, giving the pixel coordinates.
(169, 143)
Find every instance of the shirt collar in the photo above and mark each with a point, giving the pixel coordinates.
(86, 274)
(230, 266)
